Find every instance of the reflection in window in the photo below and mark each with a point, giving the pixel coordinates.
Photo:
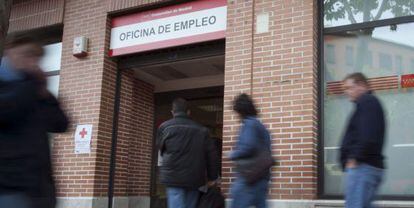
(345, 12)
(412, 64)
(330, 53)
(385, 61)
(368, 59)
(383, 43)
(349, 56)
(398, 64)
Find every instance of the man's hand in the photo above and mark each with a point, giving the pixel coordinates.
(211, 183)
(351, 163)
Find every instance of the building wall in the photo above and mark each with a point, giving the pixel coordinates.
(119, 5)
(278, 70)
(135, 133)
(87, 88)
(32, 14)
(282, 80)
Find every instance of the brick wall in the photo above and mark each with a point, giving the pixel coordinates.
(280, 72)
(118, 5)
(31, 14)
(283, 84)
(87, 88)
(140, 150)
(135, 134)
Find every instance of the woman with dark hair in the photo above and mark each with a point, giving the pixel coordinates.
(253, 138)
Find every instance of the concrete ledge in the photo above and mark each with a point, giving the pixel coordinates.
(102, 202)
(328, 204)
(382, 204)
(139, 202)
(82, 202)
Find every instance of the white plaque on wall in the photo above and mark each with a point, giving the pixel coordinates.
(83, 136)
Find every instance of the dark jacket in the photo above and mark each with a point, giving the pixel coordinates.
(364, 136)
(25, 120)
(253, 137)
(188, 155)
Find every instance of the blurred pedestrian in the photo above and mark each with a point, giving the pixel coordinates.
(253, 139)
(361, 149)
(188, 157)
(28, 112)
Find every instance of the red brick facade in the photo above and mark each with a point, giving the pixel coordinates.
(282, 79)
(135, 133)
(278, 68)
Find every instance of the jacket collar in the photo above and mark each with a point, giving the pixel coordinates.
(249, 118)
(180, 115)
(361, 98)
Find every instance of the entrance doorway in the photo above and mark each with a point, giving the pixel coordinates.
(193, 72)
(206, 106)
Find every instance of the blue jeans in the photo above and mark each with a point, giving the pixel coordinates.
(182, 197)
(245, 195)
(15, 201)
(362, 185)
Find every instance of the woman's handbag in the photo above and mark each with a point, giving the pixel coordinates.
(254, 168)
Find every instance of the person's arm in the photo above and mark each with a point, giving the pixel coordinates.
(212, 159)
(54, 117)
(16, 101)
(245, 147)
(369, 124)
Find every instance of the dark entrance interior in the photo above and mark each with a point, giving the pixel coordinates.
(194, 72)
(206, 105)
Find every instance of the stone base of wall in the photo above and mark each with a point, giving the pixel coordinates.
(329, 204)
(102, 202)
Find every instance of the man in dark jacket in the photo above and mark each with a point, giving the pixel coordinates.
(361, 150)
(28, 111)
(188, 157)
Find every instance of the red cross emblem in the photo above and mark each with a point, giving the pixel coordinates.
(83, 133)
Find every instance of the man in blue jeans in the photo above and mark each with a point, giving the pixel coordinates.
(361, 149)
(188, 157)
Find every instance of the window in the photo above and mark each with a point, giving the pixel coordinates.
(330, 53)
(51, 60)
(398, 64)
(50, 64)
(345, 12)
(387, 43)
(368, 59)
(385, 61)
(412, 64)
(349, 56)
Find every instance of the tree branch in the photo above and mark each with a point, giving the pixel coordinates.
(349, 11)
(381, 10)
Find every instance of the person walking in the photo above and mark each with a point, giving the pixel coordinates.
(188, 157)
(28, 112)
(253, 138)
(362, 145)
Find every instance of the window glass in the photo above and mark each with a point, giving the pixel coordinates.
(398, 63)
(53, 84)
(349, 55)
(330, 53)
(51, 59)
(397, 99)
(385, 61)
(345, 12)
